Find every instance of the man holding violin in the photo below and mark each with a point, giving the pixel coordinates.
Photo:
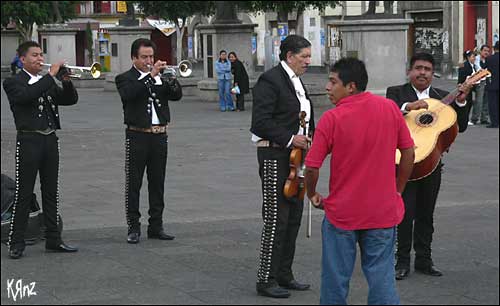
(146, 113)
(279, 98)
(34, 101)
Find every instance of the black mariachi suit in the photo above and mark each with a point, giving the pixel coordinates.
(35, 108)
(275, 117)
(420, 196)
(145, 149)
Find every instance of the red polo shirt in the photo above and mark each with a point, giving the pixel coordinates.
(362, 134)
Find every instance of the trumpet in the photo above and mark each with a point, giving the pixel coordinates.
(184, 68)
(94, 70)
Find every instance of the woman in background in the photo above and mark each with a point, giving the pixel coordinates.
(223, 69)
(240, 80)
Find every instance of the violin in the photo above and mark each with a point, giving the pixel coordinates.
(294, 185)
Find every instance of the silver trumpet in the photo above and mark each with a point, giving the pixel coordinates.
(184, 69)
(94, 70)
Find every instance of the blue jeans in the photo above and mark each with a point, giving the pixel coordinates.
(225, 99)
(377, 262)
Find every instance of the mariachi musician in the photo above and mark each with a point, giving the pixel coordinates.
(420, 196)
(146, 113)
(279, 98)
(34, 101)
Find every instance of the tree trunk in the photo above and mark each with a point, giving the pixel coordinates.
(180, 35)
(388, 7)
(282, 16)
(371, 7)
(57, 13)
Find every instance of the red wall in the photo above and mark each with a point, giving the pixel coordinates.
(469, 25)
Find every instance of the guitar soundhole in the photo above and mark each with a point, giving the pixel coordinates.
(426, 119)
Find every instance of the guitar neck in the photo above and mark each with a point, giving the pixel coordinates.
(451, 97)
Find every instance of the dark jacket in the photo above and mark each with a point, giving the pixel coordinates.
(138, 96)
(33, 104)
(240, 76)
(276, 108)
(463, 73)
(405, 93)
(492, 65)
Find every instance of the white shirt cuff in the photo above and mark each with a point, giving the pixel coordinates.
(290, 142)
(403, 108)
(461, 104)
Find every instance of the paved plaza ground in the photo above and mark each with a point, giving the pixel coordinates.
(213, 205)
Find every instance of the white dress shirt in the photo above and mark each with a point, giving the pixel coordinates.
(154, 116)
(33, 78)
(305, 104)
(425, 95)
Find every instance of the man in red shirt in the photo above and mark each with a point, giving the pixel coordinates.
(364, 204)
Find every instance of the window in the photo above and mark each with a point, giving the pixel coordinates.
(44, 45)
(312, 22)
(114, 49)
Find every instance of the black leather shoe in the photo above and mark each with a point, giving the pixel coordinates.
(402, 273)
(15, 254)
(133, 238)
(275, 292)
(295, 285)
(61, 247)
(431, 270)
(161, 235)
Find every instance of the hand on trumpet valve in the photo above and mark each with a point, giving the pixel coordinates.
(158, 67)
(59, 71)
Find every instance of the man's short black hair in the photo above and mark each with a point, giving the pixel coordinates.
(351, 70)
(484, 46)
(294, 43)
(24, 47)
(422, 56)
(141, 42)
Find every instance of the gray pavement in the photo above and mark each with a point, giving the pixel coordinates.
(213, 208)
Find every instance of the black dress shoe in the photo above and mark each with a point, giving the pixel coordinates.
(431, 270)
(15, 253)
(295, 285)
(133, 238)
(275, 292)
(402, 273)
(160, 235)
(61, 247)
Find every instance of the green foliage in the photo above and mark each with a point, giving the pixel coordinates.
(26, 13)
(284, 6)
(175, 10)
(39, 12)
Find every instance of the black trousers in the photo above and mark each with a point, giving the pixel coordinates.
(145, 150)
(240, 102)
(36, 153)
(418, 224)
(493, 106)
(281, 216)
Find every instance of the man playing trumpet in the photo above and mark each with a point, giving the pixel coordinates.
(146, 113)
(34, 101)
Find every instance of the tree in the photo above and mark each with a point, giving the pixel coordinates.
(26, 13)
(285, 7)
(90, 43)
(176, 12)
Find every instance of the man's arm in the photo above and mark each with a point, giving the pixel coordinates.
(265, 99)
(311, 179)
(405, 168)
